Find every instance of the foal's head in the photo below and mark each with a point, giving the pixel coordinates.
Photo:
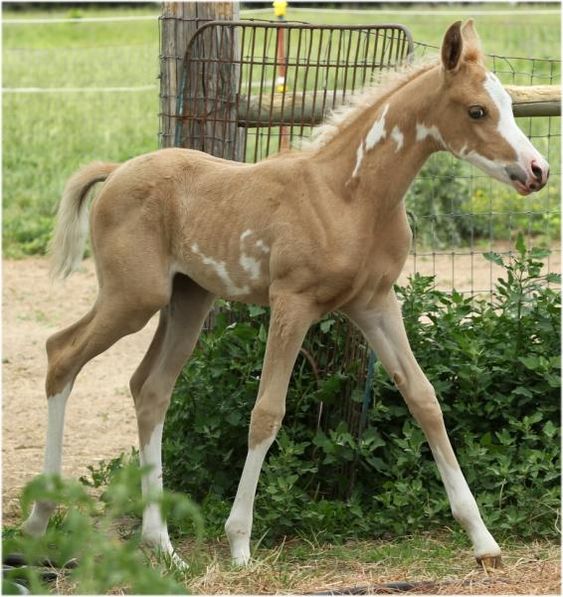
(474, 119)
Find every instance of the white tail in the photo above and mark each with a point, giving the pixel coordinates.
(67, 244)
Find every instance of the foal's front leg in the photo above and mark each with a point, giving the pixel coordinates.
(290, 319)
(383, 327)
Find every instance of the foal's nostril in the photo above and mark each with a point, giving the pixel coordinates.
(537, 171)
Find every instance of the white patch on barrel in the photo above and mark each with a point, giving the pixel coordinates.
(249, 264)
(220, 268)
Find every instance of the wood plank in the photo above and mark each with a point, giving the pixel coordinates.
(534, 100)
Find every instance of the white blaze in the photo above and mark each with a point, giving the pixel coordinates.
(507, 126)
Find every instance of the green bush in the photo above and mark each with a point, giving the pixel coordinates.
(494, 364)
(85, 529)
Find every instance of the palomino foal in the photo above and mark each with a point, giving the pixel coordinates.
(306, 232)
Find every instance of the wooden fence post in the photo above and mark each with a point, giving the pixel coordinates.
(179, 22)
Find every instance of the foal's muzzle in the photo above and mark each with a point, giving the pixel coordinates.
(531, 179)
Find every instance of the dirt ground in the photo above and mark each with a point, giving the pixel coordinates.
(100, 421)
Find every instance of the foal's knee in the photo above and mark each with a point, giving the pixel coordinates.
(424, 406)
(60, 368)
(151, 405)
(265, 421)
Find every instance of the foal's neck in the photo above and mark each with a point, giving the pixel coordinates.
(374, 158)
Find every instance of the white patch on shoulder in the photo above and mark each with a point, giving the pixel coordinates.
(423, 131)
(398, 137)
(260, 244)
(377, 131)
(220, 269)
(359, 158)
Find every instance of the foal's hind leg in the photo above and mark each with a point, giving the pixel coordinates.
(384, 329)
(122, 308)
(152, 385)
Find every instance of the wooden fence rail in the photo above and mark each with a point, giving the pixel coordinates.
(304, 108)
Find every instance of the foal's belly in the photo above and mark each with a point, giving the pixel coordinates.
(237, 275)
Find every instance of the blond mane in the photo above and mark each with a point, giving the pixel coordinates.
(382, 85)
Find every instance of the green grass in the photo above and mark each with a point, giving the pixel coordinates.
(47, 136)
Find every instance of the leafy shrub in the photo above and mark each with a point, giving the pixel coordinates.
(494, 364)
(86, 531)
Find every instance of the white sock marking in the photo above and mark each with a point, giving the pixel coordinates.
(154, 528)
(56, 406)
(465, 509)
(36, 523)
(239, 523)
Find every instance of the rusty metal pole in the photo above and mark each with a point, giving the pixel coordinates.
(280, 7)
(180, 21)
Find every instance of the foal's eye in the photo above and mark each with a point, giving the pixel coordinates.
(477, 112)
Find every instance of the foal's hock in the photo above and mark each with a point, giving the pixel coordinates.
(305, 232)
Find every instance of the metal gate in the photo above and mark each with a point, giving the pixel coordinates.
(250, 88)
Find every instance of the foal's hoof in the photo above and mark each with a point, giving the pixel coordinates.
(490, 562)
(33, 528)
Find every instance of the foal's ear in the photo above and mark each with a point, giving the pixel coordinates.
(472, 44)
(452, 47)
